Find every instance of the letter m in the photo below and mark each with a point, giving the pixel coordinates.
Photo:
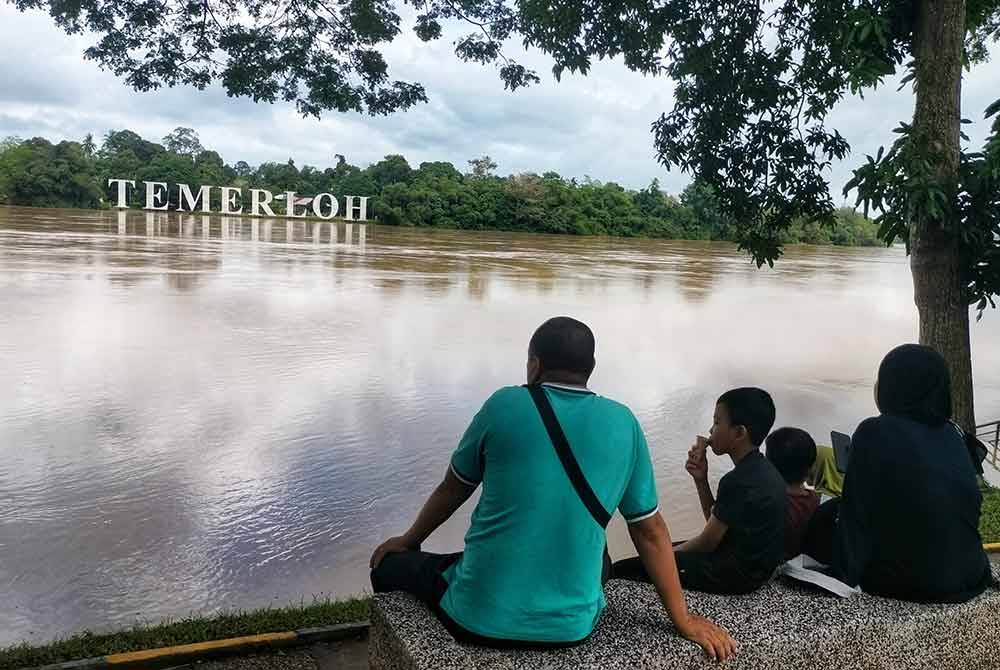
(204, 194)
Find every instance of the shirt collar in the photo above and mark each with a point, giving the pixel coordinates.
(568, 387)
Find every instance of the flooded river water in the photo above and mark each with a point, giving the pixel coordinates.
(196, 417)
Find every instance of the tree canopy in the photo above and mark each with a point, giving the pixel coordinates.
(183, 141)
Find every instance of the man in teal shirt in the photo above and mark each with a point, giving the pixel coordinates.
(535, 562)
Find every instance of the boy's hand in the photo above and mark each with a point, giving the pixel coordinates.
(697, 462)
(716, 642)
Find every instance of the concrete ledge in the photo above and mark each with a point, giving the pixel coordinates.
(784, 625)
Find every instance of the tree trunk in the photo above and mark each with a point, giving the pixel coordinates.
(935, 259)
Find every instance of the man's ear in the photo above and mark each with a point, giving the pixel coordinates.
(534, 369)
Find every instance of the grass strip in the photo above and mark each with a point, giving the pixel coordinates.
(989, 520)
(189, 630)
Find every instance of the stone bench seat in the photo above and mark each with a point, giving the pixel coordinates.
(783, 625)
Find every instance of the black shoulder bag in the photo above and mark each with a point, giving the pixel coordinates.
(977, 450)
(566, 457)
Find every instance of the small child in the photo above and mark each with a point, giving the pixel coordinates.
(793, 452)
(824, 475)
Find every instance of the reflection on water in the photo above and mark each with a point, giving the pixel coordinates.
(207, 227)
(209, 412)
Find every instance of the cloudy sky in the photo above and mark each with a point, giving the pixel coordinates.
(596, 125)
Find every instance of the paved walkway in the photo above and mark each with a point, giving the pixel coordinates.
(351, 655)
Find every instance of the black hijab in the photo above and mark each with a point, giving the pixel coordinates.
(913, 382)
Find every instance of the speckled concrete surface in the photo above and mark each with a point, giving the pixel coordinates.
(781, 626)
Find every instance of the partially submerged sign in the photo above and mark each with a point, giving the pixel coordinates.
(323, 205)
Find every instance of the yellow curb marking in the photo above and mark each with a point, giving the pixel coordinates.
(994, 547)
(199, 647)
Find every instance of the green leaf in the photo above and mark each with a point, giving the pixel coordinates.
(880, 35)
(866, 30)
(992, 109)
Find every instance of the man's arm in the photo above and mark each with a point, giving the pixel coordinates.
(652, 540)
(709, 539)
(449, 495)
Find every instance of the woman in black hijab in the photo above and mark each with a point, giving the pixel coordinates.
(913, 383)
(907, 525)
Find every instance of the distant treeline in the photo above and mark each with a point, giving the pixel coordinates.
(38, 173)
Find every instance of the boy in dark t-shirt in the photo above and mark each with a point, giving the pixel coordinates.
(743, 540)
(792, 451)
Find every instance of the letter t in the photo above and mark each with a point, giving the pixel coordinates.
(122, 204)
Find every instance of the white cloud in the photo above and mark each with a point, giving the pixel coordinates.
(598, 125)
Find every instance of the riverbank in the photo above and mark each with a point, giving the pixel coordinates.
(850, 229)
(275, 620)
(189, 630)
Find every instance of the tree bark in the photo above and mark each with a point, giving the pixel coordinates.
(935, 259)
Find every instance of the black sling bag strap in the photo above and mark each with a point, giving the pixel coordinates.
(567, 458)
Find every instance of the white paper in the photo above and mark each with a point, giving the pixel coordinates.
(804, 569)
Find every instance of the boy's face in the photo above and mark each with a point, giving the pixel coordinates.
(724, 435)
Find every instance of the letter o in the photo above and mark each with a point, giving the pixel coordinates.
(334, 206)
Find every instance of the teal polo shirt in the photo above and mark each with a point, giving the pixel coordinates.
(531, 569)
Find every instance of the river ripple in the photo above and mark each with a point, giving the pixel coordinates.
(197, 418)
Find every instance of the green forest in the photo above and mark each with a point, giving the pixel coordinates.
(38, 173)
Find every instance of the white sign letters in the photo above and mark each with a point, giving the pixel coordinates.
(322, 206)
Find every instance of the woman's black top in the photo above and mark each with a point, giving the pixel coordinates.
(909, 516)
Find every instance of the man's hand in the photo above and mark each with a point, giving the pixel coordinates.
(697, 461)
(393, 545)
(652, 540)
(716, 642)
(447, 497)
